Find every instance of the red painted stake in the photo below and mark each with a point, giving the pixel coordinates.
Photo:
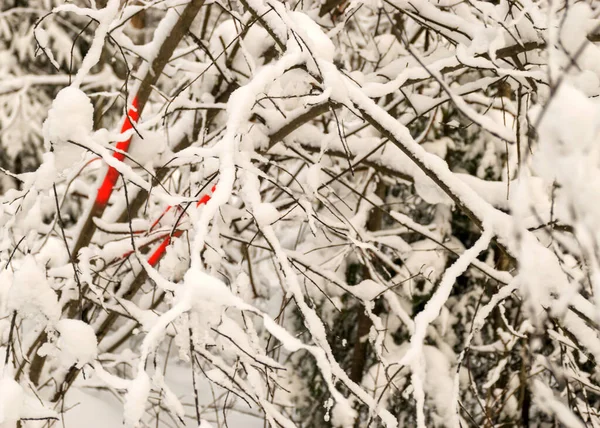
(162, 248)
(110, 179)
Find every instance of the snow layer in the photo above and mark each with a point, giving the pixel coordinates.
(70, 120)
(31, 295)
(77, 343)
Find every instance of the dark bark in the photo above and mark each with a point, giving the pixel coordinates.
(359, 357)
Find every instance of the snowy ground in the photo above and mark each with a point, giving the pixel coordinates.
(95, 408)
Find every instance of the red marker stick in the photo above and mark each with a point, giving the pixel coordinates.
(112, 175)
(162, 248)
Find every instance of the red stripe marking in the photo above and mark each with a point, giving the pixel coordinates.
(204, 199)
(110, 179)
(162, 248)
(159, 218)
